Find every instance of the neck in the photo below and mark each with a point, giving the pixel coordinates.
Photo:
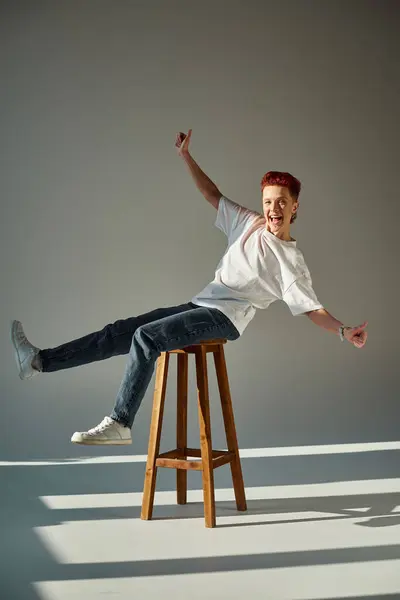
(281, 235)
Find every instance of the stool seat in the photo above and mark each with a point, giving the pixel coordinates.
(181, 457)
(209, 346)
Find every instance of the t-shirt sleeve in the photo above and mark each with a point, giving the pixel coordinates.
(300, 296)
(232, 218)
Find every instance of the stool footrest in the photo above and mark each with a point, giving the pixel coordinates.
(177, 459)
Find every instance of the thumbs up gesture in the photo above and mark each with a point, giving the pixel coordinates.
(356, 335)
(182, 141)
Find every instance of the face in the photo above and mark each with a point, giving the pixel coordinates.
(278, 207)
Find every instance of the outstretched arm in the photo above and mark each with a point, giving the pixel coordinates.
(355, 335)
(209, 190)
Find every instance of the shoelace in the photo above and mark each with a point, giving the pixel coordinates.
(105, 424)
(22, 338)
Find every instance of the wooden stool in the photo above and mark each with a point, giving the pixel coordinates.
(178, 458)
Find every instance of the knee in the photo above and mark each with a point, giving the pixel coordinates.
(113, 329)
(145, 337)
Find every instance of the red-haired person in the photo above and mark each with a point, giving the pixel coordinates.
(261, 264)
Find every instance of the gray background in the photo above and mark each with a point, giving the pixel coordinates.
(100, 219)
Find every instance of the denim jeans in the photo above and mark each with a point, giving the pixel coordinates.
(143, 338)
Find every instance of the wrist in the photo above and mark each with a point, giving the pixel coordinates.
(342, 332)
(185, 154)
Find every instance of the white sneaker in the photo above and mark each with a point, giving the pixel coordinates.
(25, 352)
(107, 432)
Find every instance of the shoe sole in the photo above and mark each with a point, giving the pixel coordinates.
(102, 443)
(13, 328)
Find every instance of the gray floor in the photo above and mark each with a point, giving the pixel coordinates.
(65, 537)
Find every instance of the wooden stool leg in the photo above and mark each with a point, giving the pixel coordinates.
(230, 429)
(181, 425)
(155, 436)
(205, 437)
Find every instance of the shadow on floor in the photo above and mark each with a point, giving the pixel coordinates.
(22, 511)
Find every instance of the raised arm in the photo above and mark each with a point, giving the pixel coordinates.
(209, 190)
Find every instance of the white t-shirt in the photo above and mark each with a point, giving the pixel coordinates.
(257, 269)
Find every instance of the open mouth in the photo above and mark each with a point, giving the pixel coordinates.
(276, 220)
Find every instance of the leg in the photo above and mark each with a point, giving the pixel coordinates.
(230, 429)
(181, 424)
(113, 340)
(155, 436)
(205, 438)
(168, 333)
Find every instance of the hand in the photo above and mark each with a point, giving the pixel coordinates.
(356, 335)
(182, 142)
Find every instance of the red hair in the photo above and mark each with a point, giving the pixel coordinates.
(285, 180)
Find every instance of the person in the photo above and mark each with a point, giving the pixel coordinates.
(261, 264)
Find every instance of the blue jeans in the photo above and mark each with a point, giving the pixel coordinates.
(143, 338)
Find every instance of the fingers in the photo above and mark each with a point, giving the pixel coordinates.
(359, 329)
(179, 138)
(358, 335)
(182, 140)
(360, 339)
(186, 140)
